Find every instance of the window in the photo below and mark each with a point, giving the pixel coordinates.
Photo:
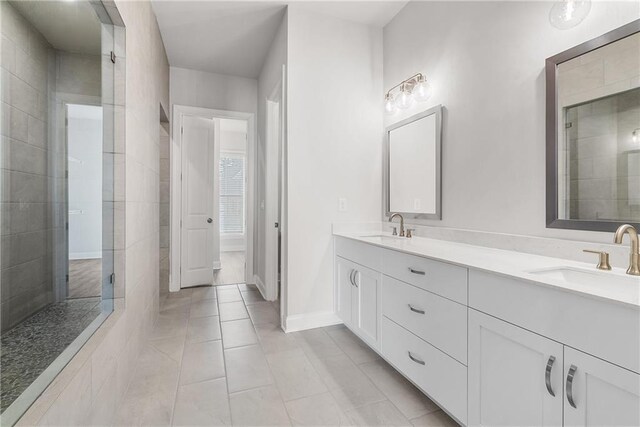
(231, 193)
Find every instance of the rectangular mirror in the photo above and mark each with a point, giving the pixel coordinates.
(593, 133)
(412, 166)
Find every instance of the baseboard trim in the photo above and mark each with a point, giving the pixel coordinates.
(260, 285)
(85, 255)
(319, 319)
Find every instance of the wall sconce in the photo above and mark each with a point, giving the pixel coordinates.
(413, 89)
(635, 136)
(567, 14)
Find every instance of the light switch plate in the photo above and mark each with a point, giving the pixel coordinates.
(342, 204)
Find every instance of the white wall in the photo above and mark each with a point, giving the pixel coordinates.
(84, 139)
(485, 61)
(334, 147)
(270, 75)
(209, 90)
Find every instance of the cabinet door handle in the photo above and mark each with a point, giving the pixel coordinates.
(421, 273)
(570, 375)
(355, 278)
(415, 359)
(547, 375)
(351, 277)
(415, 310)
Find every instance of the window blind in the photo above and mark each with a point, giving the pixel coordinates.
(231, 193)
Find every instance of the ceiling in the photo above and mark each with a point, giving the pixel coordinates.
(233, 37)
(72, 26)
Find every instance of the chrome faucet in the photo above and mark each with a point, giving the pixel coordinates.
(634, 257)
(401, 222)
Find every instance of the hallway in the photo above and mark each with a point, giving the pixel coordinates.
(218, 357)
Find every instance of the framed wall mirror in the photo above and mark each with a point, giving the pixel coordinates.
(413, 166)
(593, 133)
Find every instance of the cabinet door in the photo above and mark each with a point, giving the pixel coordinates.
(602, 394)
(365, 312)
(345, 270)
(515, 376)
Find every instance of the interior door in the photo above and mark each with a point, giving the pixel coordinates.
(515, 376)
(599, 393)
(198, 222)
(272, 195)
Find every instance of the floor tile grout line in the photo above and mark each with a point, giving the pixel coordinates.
(358, 365)
(184, 346)
(224, 359)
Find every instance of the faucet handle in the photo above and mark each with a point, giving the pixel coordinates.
(410, 232)
(394, 231)
(603, 262)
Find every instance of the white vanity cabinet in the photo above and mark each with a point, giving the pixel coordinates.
(357, 299)
(602, 394)
(515, 376)
(406, 308)
(492, 349)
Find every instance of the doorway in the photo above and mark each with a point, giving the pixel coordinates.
(212, 160)
(232, 202)
(84, 198)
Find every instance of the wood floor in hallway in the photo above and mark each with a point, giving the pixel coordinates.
(217, 356)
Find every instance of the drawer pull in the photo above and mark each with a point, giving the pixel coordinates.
(415, 310)
(415, 359)
(547, 375)
(570, 375)
(421, 273)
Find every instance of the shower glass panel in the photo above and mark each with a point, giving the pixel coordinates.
(57, 193)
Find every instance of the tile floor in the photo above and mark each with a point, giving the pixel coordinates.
(217, 356)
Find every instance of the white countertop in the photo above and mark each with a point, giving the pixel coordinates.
(518, 265)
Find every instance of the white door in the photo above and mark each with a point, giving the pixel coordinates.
(515, 376)
(364, 306)
(272, 193)
(344, 278)
(598, 393)
(199, 224)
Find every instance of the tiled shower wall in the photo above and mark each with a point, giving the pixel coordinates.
(26, 281)
(36, 81)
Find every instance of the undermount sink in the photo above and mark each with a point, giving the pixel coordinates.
(586, 277)
(383, 238)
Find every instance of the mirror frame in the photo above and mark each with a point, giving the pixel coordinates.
(552, 219)
(437, 110)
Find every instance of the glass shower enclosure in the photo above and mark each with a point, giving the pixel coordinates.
(57, 187)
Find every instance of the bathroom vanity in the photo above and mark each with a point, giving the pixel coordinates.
(496, 337)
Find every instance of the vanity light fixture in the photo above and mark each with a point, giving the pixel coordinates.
(415, 88)
(567, 14)
(635, 135)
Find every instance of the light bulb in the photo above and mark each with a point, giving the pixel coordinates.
(389, 104)
(404, 99)
(567, 14)
(421, 91)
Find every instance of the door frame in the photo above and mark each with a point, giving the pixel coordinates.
(175, 155)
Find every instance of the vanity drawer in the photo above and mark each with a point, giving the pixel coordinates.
(449, 281)
(438, 375)
(358, 252)
(441, 322)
